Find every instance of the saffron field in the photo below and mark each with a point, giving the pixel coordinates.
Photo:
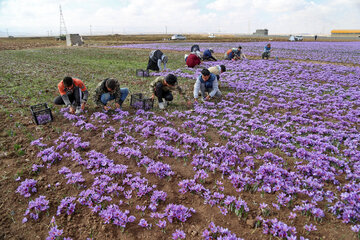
(276, 158)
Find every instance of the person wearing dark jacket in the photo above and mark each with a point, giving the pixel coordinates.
(162, 88)
(156, 58)
(195, 48)
(73, 93)
(107, 90)
(208, 55)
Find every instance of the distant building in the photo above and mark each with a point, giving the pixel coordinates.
(345, 33)
(261, 32)
(74, 40)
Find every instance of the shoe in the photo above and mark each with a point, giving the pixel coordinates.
(161, 105)
(165, 103)
(78, 110)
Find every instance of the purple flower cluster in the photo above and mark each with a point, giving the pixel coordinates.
(156, 197)
(107, 131)
(310, 227)
(27, 187)
(178, 212)
(35, 167)
(38, 142)
(54, 232)
(282, 128)
(348, 207)
(43, 118)
(112, 214)
(140, 185)
(178, 234)
(159, 169)
(73, 178)
(67, 139)
(217, 232)
(67, 205)
(324, 51)
(35, 207)
(238, 206)
(278, 229)
(143, 223)
(99, 117)
(49, 156)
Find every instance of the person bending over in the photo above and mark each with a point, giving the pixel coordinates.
(162, 88)
(107, 90)
(73, 94)
(206, 83)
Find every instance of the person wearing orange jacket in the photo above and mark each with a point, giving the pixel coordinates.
(73, 93)
(234, 54)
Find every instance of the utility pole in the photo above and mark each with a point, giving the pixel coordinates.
(165, 29)
(63, 30)
(90, 31)
(7, 32)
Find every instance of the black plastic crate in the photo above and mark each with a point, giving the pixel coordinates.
(142, 73)
(139, 101)
(41, 113)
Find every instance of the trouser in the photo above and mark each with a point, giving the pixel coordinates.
(160, 94)
(211, 58)
(203, 89)
(265, 55)
(152, 65)
(74, 97)
(106, 97)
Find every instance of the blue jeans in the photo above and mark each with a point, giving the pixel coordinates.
(204, 89)
(106, 97)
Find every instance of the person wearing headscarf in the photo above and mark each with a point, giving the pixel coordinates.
(156, 58)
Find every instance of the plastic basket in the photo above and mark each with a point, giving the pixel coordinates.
(139, 101)
(142, 73)
(41, 113)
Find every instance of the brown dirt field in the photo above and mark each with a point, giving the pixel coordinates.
(87, 224)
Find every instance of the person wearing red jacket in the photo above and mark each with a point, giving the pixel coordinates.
(73, 94)
(192, 60)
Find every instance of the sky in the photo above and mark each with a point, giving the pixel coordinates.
(97, 17)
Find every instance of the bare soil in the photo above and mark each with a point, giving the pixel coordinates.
(85, 224)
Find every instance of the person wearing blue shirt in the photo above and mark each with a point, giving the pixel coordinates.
(207, 56)
(266, 52)
(206, 82)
